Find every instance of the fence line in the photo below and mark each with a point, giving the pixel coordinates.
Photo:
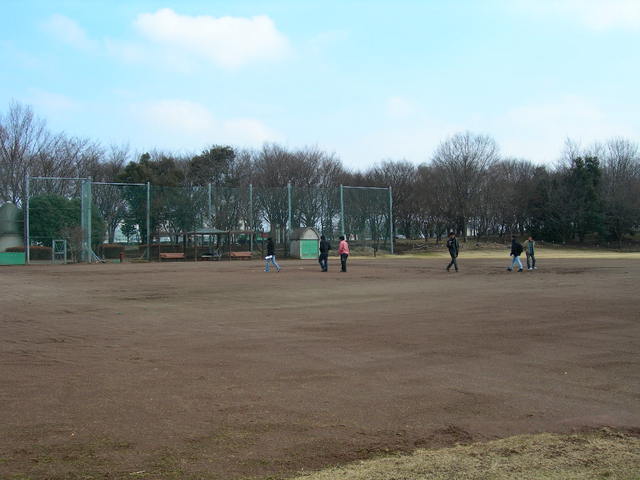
(92, 213)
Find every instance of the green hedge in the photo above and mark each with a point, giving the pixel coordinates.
(36, 252)
(110, 250)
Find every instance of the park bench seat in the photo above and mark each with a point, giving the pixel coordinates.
(241, 255)
(211, 256)
(172, 256)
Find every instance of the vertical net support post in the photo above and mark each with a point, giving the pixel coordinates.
(148, 253)
(85, 220)
(27, 240)
(209, 207)
(290, 220)
(342, 209)
(251, 219)
(391, 221)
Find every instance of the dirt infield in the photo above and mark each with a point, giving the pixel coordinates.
(219, 370)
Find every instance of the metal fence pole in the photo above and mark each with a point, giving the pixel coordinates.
(85, 219)
(251, 225)
(342, 209)
(391, 218)
(27, 241)
(290, 219)
(289, 205)
(209, 205)
(148, 221)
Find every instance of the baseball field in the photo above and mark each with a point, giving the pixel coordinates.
(218, 370)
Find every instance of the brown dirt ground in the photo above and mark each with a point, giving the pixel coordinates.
(219, 370)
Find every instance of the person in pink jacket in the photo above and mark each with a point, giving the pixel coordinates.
(343, 250)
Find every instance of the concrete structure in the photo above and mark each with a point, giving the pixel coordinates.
(10, 235)
(10, 227)
(305, 243)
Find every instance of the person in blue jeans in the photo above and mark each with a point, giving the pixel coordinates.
(271, 256)
(516, 251)
(323, 259)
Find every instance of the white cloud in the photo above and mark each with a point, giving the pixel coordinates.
(126, 51)
(413, 140)
(68, 31)
(538, 130)
(143, 54)
(533, 130)
(327, 40)
(229, 42)
(185, 124)
(52, 103)
(178, 116)
(594, 14)
(248, 131)
(399, 107)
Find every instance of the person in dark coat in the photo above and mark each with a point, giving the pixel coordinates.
(271, 256)
(516, 251)
(454, 248)
(323, 259)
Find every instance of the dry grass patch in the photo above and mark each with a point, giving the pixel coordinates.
(541, 254)
(604, 454)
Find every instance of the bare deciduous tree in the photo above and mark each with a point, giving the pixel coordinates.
(463, 161)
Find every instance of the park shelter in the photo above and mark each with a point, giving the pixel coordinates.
(209, 242)
(305, 243)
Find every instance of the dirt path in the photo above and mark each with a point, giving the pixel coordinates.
(219, 370)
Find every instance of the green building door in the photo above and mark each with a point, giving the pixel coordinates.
(308, 249)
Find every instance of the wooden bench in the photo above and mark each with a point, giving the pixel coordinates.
(172, 256)
(241, 255)
(211, 256)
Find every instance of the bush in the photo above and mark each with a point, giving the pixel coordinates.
(110, 250)
(36, 252)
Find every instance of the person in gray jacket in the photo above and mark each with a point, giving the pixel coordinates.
(530, 251)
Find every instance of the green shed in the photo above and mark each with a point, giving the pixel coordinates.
(305, 243)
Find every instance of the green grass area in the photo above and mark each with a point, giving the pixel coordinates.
(600, 455)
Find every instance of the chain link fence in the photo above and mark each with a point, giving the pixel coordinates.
(77, 220)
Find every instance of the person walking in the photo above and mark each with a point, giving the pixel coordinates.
(530, 252)
(516, 251)
(323, 259)
(454, 248)
(343, 251)
(271, 256)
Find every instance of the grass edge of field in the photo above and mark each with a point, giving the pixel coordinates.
(504, 254)
(598, 454)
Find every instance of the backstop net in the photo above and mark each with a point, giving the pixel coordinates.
(76, 219)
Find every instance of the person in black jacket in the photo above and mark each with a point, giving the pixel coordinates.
(516, 251)
(323, 259)
(454, 248)
(271, 256)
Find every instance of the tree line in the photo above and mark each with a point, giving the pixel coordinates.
(466, 186)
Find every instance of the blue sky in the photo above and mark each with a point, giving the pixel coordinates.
(367, 80)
